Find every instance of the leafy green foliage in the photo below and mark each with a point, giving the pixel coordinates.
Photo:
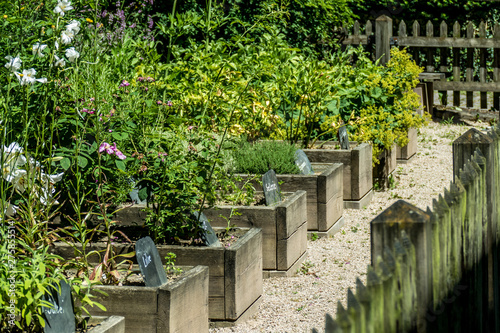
(259, 157)
(311, 25)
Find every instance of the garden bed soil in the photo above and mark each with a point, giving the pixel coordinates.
(235, 273)
(176, 306)
(324, 196)
(284, 230)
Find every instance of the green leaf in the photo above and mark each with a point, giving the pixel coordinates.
(82, 161)
(333, 107)
(120, 165)
(65, 163)
(376, 92)
(116, 136)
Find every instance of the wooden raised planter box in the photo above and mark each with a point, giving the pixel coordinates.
(176, 306)
(406, 153)
(324, 196)
(284, 230)
(235, 273)
(358, 172)
(111, 324)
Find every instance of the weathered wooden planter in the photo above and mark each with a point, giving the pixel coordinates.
(406, 153)
(324, 196)
(284, 230)
(386, 166)
(111, 324)
(357, 175)
(176, 306)
(235, 273)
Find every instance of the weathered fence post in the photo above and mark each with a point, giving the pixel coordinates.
(463, 150)
(387, 227)
(383, 34)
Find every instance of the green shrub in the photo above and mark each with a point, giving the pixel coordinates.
(259, 157)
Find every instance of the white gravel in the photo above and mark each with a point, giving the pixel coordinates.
(299, 303)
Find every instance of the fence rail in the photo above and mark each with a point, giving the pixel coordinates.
(436, 270)
(442, 51)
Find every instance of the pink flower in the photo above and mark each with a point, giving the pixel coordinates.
(120, 155)
(190, 128)
(169, 103)
(140, 79)
(124, 84)
(107, 147)
(159, 102)
(111, 150)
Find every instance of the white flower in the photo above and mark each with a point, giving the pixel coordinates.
(67, 36)
(13, 64)
(12, 160)
(37, 49)
(28, 77)
(60, 62)
(10, 209)
(48, 189)
(73, 26)
(56, 44)
(72, 54)
(19, 180)
(63, 6)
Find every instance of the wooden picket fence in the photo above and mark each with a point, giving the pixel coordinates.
(436, 270)
(442, 52)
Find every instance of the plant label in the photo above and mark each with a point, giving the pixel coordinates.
(303, 163)
(271, 188)
(207, 235)
(343, 138)
(61, 318)
(149, 262)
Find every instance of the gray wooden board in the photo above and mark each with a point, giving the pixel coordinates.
(208, 235)
(150, 263)
(303, 163)
(271, 188)
(343, 138)
(60, 319)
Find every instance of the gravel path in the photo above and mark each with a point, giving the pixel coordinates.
(297, 304)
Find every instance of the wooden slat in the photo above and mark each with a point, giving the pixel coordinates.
(466, 86)
(482, 65)
(356, 28)
(402, 29)
(443, 64)
(416, 33)
(430, 51)
(469, 72)
(355, 40)
(456, 65)
(486, 43)
(496, 66)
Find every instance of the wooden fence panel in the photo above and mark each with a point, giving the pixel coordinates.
(484, 81)
(446, 279)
